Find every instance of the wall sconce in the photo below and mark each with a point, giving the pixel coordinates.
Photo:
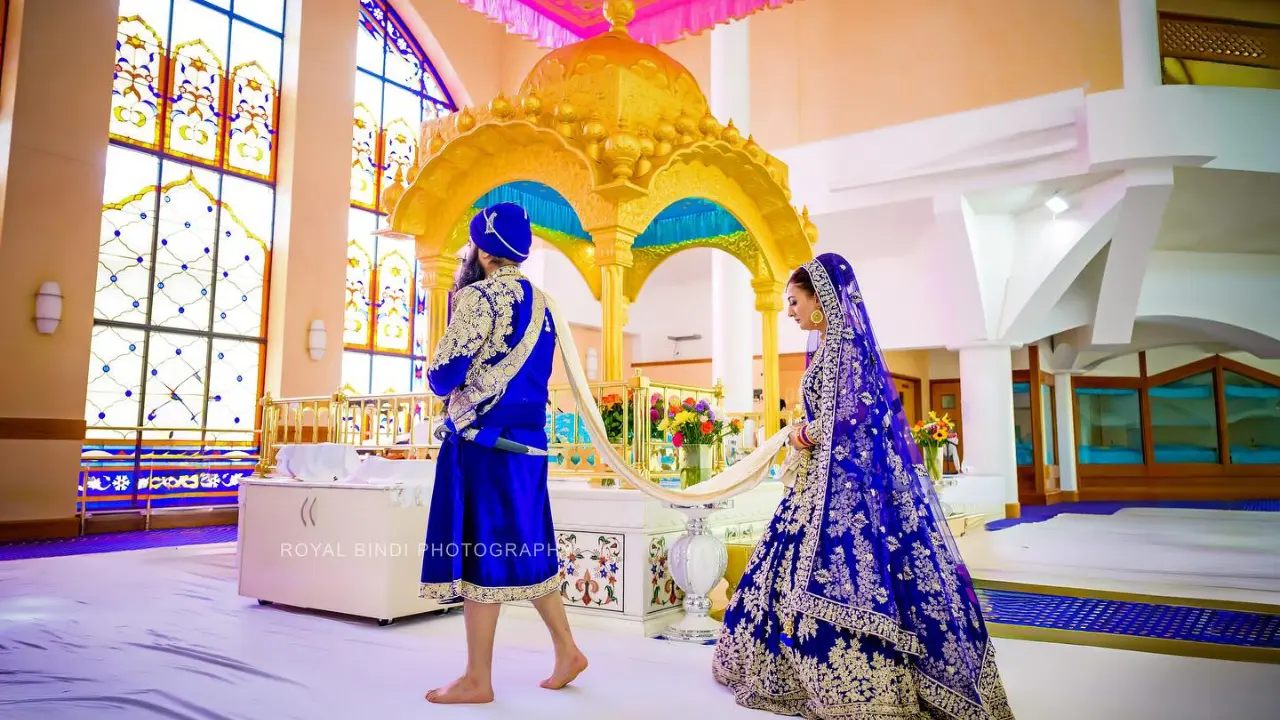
(48, 308)
(317, 338)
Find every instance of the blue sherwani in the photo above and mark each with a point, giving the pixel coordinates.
(490, 536)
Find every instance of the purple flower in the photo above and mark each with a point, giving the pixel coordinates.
(711, 415)
(655, 415)
(702, 406)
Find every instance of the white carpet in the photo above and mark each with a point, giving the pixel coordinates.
(1214, 554)
(162, 634)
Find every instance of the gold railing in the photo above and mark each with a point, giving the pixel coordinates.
(127, 470)
(404, 426)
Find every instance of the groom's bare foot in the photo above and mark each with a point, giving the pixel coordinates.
(461, 691)
(568, 667)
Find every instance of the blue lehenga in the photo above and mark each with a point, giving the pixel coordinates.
(855, 603)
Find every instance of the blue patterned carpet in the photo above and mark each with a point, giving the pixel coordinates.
(1134, 619)
(115, 542)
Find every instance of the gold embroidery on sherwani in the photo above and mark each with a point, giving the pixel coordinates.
(487, 379)
(478, 593)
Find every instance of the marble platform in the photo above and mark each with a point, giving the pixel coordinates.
(1219, 555)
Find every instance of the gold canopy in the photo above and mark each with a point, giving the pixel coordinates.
(620, 132)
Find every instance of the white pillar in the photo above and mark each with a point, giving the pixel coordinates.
(1066, 419)
(1140, 43)
(731, 74)
(986, 392)
(732, 308)
(732, 300)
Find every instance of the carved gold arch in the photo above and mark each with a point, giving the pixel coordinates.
(648, 259)
(492, 155)
(777, 238)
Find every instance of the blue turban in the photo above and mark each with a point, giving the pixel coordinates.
(503, 230)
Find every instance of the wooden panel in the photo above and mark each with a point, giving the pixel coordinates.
(1220, 41)
(910, 393)
(15, 531)
(945, 399)
(15, 428)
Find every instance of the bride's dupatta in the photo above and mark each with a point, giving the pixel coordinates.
(876, 555)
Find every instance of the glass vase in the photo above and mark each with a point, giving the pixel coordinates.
(695, 464)
(933, 464)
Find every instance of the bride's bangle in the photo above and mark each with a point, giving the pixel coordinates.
(804, 437)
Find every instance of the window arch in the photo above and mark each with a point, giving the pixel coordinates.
(180, 305)
(397, 89)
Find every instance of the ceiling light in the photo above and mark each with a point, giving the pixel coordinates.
(1056, 204)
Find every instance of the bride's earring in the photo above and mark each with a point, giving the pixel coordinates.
(816, 317)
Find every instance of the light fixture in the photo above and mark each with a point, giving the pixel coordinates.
(48, 307)
(1056, 204)
(317, 338)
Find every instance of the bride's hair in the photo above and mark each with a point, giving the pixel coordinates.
(800, 278)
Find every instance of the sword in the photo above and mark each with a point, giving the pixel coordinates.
(499, 443)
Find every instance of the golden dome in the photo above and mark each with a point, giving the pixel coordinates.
(617, 81)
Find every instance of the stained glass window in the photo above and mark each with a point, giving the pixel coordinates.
(397, 89)
(187, 222)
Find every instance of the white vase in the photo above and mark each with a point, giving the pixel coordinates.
(697, 560)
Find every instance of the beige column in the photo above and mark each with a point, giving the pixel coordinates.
(55, 104)
(309, 258)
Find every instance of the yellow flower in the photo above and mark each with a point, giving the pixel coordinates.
(940, 435)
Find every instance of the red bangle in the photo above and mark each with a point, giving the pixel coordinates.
(804, 437)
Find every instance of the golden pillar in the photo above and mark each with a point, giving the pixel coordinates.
(613, 256)
(437, 279)
(769, 303)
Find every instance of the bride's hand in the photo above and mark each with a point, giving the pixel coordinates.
(795, 440)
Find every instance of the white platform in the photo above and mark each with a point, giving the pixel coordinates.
(1209, 554)
(975, 494)
(361, 554)
(163, 634)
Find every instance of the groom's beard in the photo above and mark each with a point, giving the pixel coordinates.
(471, 271)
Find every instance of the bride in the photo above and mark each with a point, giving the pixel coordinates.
(855, 603)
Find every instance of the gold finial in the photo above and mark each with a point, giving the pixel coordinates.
(619, 13)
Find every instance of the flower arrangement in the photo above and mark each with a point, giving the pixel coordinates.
(656, 406)
(695, 423)
(933, 435)
(613, 410)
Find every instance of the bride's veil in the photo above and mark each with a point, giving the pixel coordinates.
(871, 396)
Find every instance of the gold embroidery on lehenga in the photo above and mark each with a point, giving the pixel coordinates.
(853, 680)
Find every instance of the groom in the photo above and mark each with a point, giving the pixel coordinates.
(489, 537)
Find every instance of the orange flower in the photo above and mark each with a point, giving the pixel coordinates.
(707, 427)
